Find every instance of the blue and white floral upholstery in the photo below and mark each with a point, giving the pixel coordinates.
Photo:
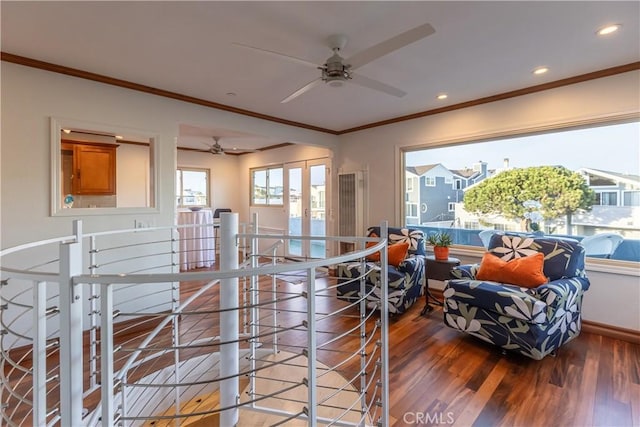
(406, 282)
(531, 321)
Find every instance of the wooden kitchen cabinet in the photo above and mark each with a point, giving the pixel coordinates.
(91, 170)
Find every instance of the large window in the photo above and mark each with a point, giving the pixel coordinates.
(594, 157)
(409, 185)
(631, 198)
(606, 198)
(267, 186)
(192, 187)
(412, 210)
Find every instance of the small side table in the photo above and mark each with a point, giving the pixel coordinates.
(436, 270)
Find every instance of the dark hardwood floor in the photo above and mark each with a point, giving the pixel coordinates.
(439, 376)
(593, 380)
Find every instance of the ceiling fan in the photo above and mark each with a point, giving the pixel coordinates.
(336, 70)
(217, 149)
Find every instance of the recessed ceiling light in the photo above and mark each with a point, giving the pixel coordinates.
(540, 70)
(231, 94)
(608, 29)
(67, 131)
(442, 96)
(119, 137)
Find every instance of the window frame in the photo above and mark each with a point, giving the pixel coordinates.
(632, 192)
(181, 197)
(519, 133)
(416, 205)
(269, 201)
(409, 184)
(429, 181)
(600, 193)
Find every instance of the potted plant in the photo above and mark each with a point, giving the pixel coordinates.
(440, 242)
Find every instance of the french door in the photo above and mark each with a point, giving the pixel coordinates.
(307, 206)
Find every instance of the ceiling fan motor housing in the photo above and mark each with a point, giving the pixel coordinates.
(335, 72)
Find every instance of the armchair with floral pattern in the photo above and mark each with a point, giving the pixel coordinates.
(406, 280)
(532, 321)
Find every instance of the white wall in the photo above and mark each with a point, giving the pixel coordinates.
(132, 175)
(30, 97)
(373, 149)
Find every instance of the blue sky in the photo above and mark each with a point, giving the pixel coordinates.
(613, 148)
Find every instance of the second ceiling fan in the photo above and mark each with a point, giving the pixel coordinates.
(217, 149)
(336, 70)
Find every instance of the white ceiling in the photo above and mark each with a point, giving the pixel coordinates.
(479, 49)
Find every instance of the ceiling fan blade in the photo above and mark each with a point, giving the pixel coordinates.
(278, 55)
(376, 85)
(302, 90)
(388, 46)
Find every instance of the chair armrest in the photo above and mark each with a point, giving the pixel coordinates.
(411, 263)
(466, 271)
(561, 293)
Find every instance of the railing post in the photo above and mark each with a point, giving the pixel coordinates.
(71, 366)
(94, 314)
(229, 324)
(311, 349)
(40, 354)
(253, 317)
(106, 354)
(384, 330)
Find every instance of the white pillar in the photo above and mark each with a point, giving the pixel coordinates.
(229, 324)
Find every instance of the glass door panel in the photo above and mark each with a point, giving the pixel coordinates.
(318, 223)
(307, 208)
(295, 210)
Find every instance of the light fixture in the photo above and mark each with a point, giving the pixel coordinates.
(608, 29)
(119, 137)
(442, 96)
(67, 131)
(540, 70)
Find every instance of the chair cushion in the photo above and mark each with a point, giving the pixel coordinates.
(562, 257)
(396, 253)
(525, 271)
(414, 237)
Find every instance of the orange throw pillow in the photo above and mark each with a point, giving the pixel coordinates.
(396, 253)
(526, 272)
(374, 257)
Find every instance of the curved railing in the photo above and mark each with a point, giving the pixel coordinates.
(104, 326)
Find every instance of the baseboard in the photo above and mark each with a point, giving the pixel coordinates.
(611, 331)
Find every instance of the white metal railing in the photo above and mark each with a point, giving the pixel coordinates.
(103, 329)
